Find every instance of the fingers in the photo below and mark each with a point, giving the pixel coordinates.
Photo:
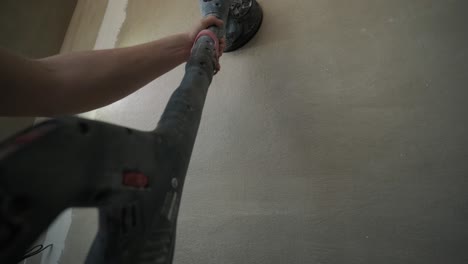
(222, 46)
(205, 23)
(210, 21)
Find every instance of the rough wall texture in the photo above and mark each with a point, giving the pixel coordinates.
(338, 135)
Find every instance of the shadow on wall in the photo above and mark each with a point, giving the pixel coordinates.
(34, 28)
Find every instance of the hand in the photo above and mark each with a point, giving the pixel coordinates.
(204, 24)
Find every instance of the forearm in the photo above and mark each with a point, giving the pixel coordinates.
(97, 78)
(79, 82)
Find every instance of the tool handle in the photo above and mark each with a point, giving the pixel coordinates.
(218, 8)
(176, 133)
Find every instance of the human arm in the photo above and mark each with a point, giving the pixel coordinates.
(79, 82)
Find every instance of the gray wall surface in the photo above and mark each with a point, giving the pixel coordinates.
(338, 135)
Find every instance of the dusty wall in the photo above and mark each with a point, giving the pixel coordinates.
(338, 135)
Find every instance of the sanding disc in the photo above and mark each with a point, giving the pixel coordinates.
(245, 19)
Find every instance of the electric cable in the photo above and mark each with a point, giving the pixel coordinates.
(35, 250)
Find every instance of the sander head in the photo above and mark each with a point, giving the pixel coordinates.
(245, 19)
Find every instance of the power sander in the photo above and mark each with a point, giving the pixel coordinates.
(134, 178)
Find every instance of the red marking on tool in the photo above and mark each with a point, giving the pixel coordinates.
(135, 179)
(34, 134)
(26, 138)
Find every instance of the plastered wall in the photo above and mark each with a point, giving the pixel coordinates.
(338, 135)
